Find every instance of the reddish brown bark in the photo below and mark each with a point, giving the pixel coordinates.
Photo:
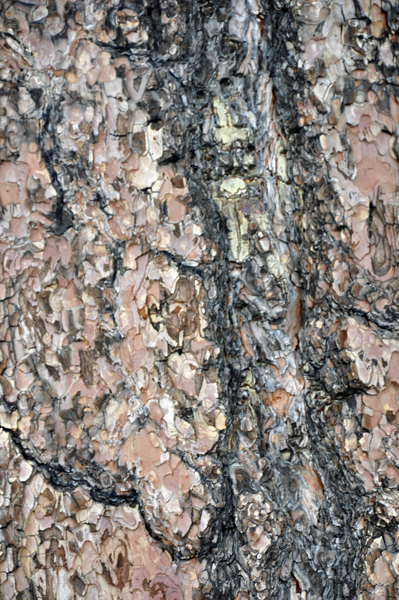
(199, 300)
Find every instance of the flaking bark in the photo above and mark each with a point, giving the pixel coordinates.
(199, 300)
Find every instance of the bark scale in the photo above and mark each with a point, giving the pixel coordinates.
(199, 300)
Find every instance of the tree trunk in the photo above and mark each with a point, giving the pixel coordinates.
(199, 300)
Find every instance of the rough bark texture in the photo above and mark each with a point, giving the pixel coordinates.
(199, 300)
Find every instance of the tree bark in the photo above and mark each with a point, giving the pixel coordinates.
(199, 300)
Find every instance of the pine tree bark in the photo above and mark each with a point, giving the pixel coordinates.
(199, 300)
